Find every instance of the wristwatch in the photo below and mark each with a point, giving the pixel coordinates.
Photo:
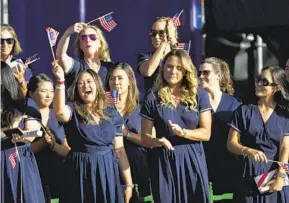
(128, 135)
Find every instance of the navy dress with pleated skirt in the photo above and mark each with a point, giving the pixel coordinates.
(179, 175)
(50, 164)
(137, 155)
(266, 137)
(20, 180)
(222, 165)
(91, 167)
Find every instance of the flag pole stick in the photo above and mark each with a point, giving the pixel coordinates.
(99, 18)
(189, 49)
(32, 61)
(51, 47)
(180, 13)
(279, 162)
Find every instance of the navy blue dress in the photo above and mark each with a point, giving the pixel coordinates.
(80, 65)
(50, 164)
(91, 167)
(179, 175)
(265, 137)
(17, 174)
(148, 81)
(137, 155)
(222, 165)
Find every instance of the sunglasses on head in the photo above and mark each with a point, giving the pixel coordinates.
(204, 73)
(92, 37)
(7, 40)
(263, 81)
(154, 33)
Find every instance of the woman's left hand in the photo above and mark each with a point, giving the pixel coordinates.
(127, 194)
(176, 128)
(275, 184)
(19, 72)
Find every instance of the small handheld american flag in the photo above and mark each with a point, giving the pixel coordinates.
(12, 159)
(112, 96)
(184, 46)
(31, 59)
(107, 22)
(52, 35)
(286, 168)
(176, 19)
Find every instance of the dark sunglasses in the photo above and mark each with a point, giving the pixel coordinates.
(204, 73)
(92, 37)
(7, 40)
(263, 81)
(154, 33)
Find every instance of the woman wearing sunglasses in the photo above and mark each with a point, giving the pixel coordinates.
(163, 36)
(215, 78)
(91, 51)
(10, 48)
(180, 112)
(122, 79)
(260, 133)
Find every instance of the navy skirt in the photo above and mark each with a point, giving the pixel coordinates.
(15, 175)
(91, 178)
(179, 176)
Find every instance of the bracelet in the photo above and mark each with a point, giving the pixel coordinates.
(184, 132)
(60, 87)
(60, 82)
(129, 185)
(128, 135)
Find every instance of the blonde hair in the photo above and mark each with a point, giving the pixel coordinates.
(103, 52)
(16, 47)
(222, 68)
(99, 105)
(133, 92)
(169, 21)
(189, 86)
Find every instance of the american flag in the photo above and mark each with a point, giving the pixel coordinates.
(263, 179)
(107, 22)
(176, 19)
(184, 46)
(112, 96)
(52, 35)
(31, 59)
(12, 159)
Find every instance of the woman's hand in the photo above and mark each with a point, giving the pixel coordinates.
(257, 155)
(19, 72)
(17, 138)
(275, 184)
(16, 121)
(176, 128)
(165, 143)
(76, 28)
(57, 71)
(127, 194)
(50, 138)
(171, 32)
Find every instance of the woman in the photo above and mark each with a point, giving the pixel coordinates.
(260, 133)
(92, 130)
(10, 48)
(215, 78)
(122, 79)
(91, 50)
(20, 180)
(164, 38)
(50, 148)
(181, 115)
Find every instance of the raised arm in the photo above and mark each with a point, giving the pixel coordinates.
(61, 51)
(61, 110)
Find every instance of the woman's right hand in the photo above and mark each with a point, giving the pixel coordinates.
(16, 121)
(166, 143)
(257, 155)
(57, 71)
(76, 28)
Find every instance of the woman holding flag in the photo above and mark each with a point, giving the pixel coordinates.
(91, 51)
(260, 133)
(122, 79)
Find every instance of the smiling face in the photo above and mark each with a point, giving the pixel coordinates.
(44, 94)
(207, 76)
(158, 33)
(119, 80)
(7, 43)
(173, 72)
(86, 87)
(89, 41)
(264, 85)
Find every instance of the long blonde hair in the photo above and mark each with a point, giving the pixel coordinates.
(133, 92)
(103, 52)
(100, 103)
(189, 86)
(221, 67)
(16, 47)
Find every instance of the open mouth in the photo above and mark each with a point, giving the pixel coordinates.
(86, 93)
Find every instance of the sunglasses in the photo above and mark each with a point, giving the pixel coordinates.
(7, 40)
(263, 81)
(204, 73)
(154, 33)
(92, 37)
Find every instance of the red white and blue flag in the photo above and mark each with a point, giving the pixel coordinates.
(286, 168)
(52, 36)
(31, 59)
(12, 159)
(107, 22)
(112, 96)
(177, 20)
(184, 46)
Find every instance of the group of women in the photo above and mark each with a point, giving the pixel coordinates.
(188, 131)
